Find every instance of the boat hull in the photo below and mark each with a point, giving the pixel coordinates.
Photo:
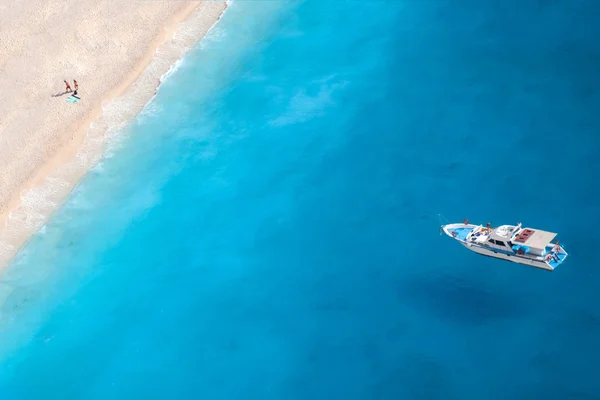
(512, 258)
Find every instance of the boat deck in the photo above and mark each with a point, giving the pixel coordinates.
(555, 263)
(461, 233)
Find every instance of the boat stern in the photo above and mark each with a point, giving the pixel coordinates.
(555, 256)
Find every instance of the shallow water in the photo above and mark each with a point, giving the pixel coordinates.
(267, 227)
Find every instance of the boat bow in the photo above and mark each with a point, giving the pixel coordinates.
(458, 231)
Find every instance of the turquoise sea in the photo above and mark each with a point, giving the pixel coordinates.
(267, 228)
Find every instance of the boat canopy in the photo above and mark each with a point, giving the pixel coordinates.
(536, 239)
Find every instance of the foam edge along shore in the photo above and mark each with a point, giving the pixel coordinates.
(37, 203)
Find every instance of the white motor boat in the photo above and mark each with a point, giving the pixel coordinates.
(511, 243)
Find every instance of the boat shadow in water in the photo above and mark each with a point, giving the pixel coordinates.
(461, 301)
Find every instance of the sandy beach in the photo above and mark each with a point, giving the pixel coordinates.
(110, 47)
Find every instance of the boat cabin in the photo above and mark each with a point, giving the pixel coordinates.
(499, 238)
(520, 240)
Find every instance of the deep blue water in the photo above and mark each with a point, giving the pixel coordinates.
(267, 228)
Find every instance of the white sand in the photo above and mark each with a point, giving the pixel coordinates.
(106, 45)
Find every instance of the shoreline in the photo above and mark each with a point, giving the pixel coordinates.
(15, 231)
